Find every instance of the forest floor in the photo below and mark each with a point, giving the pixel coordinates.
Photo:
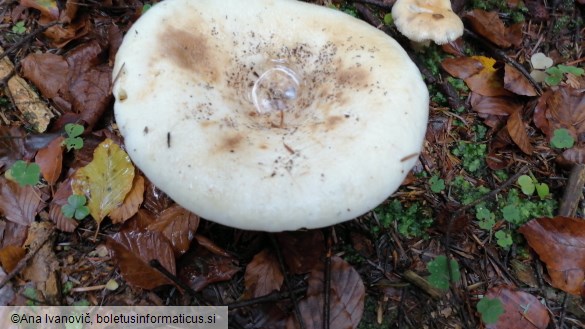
(496, 193)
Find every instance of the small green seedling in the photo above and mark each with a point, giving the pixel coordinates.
(73, 141)
(490, 309)
(19, 28)
(75, 207)
(437, 184)
(504, 239)
(25, 173)
(145, 8)
(562, 139)
(439, 277)
(529, 184)
(486, 218)
(388, 20)
(557, 73)
(511, 213)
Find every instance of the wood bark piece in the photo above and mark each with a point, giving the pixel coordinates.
(573, 191)
(34, 110)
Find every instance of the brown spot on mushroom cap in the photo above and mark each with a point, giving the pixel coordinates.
(438, 16)
(189, 50)
(230, 143)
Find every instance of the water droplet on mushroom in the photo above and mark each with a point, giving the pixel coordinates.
(277, 88)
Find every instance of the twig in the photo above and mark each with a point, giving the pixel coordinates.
(154, 263)
(573, 191)
(26, 39)
(273, 297)
(421, 283)
(297, 311)
(327, 285)
(22, 263)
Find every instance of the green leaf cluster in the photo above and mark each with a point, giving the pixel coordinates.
(472, 155)
(562, 139)
(76, 207)
(437, 184)
(557, 73)
(412, 221)
(439, 277)
(73, 141)
(19, 28)
(529, 184)
(25, 173)
(490, 309)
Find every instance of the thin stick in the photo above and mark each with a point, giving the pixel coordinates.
(154, 263)
(291, 292)
(327, 285)
(273, 297)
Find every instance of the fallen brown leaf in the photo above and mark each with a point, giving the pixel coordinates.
(50, 159)
(131, 203)
(12, 146)
(346, 299)
(43, 267)
(521, 310)
(211, 246)
(133, 251)
(575, 154)
(488, 25)
(517, 131)
(263, 275)
(178, 225)
(494, 105)
(62, 223)
(155, 200)
(517, 83)
(560, 244)
(19, 204)
(201, 267)
(10, 256)
(486, 81)
(563, 107)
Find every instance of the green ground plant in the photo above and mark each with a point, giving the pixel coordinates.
(439, 270)
(412, 220)
(25, 173)
(490, 309)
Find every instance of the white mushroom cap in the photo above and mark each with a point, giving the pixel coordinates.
(422, 20)
(268, 115)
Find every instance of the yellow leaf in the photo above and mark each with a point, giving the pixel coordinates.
(487, 62)
(105, 181)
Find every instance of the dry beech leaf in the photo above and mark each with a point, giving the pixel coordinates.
(155, 200)
(575, 154)
(62, 223)
(105, 181)
(12, 146)
(131, 203)
(48, 72)
(494, 105)
(561, 108)
(263, 275)
(517, 131)
(302, 251)
(521, 310)
(517, 83)
(133, 251)
(211, 246)
(10, 256)
(50, 159)
(139, 221)
(560, 244)
(48, 8)
(19, 204)
(346, 299)
(178, 225)
(201, 267)
(485, 81)
(43, 267)
(489, 25)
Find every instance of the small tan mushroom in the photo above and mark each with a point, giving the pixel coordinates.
(423, 20)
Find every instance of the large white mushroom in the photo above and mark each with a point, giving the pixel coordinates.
(268, 114)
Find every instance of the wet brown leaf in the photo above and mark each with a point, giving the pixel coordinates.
(50, 159)
(62, 223)
(10, 256)
(155, 200)
(347, 298)
(517, 83)
(522, 310)
(488, 25)
(11, 145)
(47, 8)
(48, 72)
(517, 131)
(19, 204)
(133, 251)
(561, 108)
(43, 267)
(178, 225)
(263, 275)
(131, 203)
(302, 251)
(575, 154)
(201, 267)
(139, 221)
(486, 81)
(211, 246)
(560, 244)
(494, 105)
